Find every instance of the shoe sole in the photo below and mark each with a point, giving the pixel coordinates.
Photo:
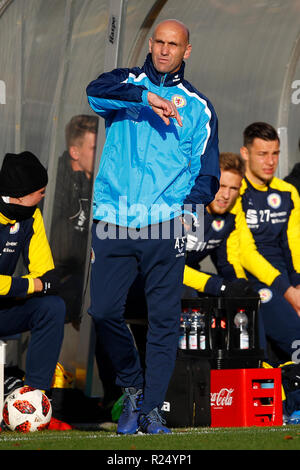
(127, 433)
(143, 433)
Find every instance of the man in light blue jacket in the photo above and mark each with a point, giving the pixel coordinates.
(159, 166)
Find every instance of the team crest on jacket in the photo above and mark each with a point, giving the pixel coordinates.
(218, 224)
(265, 295)
(274, 200)
(179, 101)
(14, 228)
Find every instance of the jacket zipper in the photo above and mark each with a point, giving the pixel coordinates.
(162, 82)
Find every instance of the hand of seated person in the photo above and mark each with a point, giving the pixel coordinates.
(292, 295)
(50, 282)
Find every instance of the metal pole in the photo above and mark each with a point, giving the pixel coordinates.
(284, 108)
(115, 34)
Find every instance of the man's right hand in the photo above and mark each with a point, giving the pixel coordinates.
(292, 295)
(38, 285)
(165, 109)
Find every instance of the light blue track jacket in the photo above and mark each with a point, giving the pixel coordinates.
(148, 171)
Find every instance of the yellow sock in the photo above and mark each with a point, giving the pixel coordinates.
(43, 391)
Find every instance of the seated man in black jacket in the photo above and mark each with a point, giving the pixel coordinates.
(71, 211)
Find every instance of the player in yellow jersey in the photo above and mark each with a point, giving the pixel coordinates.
(28, 302)
(220, 238)
(272, 210)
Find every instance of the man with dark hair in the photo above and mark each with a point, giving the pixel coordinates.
(272, 209)
(161, 153)
(81, 132)
(28, 302)
(71, 211)
(264, 130)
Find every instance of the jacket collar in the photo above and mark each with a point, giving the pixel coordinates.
(5, 220)
(258, 187)
(170, 79)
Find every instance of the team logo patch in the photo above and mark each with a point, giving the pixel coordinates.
(265, 295)
(218, 224)
(93, 257)
(179, 101)
(274, 200)
(14, 228)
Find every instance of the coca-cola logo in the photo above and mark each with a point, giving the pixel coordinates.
(222, 398)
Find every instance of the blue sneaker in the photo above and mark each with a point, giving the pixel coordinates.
(294, 418)
(153, 423)
(128, 421)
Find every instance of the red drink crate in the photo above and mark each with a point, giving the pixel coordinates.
(246, 397)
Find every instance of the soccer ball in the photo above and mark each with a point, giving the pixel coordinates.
(26, 410)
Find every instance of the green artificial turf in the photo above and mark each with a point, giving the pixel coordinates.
(252, 438)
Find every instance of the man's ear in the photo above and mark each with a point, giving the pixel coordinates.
(244, 153)
(188, 51)
(73, 151)
(150, 45)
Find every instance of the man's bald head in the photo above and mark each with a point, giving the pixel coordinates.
(169, 45)
(177, 24)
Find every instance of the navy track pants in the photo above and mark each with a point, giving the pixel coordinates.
(44, 317)
(280, 321)
(115, 265)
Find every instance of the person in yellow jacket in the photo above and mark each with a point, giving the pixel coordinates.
(222, 220)
(263, 245)
(272, 210)
(28, 302)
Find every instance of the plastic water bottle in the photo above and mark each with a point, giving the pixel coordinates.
(201, 332)
(193, 342)
(183, 333)
(241, 322)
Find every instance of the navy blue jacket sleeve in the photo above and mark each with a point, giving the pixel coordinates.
(206, 182)
(110, 91)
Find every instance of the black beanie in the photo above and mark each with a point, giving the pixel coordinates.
(21, 174)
